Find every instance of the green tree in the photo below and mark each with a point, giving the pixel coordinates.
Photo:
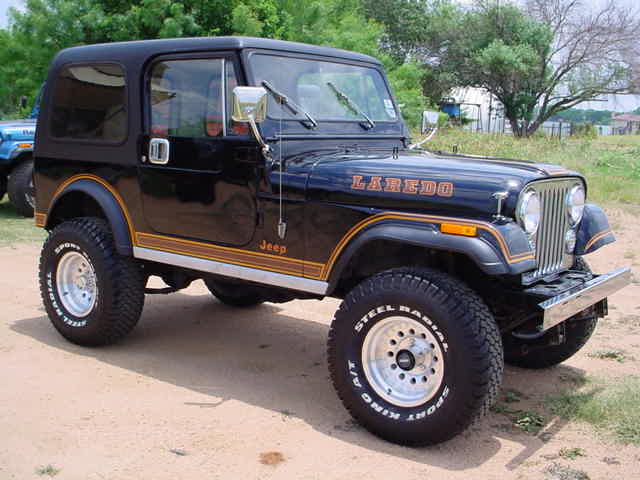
(504, 51)
(45, 27)
(537, 57)
(577, 115)
(36, 34)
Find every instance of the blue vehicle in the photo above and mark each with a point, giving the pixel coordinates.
(16, 160)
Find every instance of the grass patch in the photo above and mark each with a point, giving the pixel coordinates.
(16, 229)
(47, 470)
(572, 453)
(617, 355)
(611, 164)
(286, 414)
(612, 406)
(527, 421)
(512, 396)
(556, 471)
(530, 422)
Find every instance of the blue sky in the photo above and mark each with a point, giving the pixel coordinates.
(4, 6)
(618, 102)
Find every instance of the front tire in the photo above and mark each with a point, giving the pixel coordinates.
(415, 356)
(93, 295)
(21, 188)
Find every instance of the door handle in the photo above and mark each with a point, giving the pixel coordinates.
(159, 151)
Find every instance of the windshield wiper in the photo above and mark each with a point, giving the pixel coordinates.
(351, 104)
(293, 107)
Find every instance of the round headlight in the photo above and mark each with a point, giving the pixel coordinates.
(529, 212)
(575, 204)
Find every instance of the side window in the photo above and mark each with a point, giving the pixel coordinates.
(188, 98)
(89, 103)
(215, 111)
(233, 128)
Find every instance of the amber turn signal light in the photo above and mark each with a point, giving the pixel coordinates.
(457, 229)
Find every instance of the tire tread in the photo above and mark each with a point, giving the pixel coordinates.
(123, 276)
(481, 335)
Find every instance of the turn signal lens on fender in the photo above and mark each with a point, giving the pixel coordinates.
(570, 241)
(25, 145)
(457, 229)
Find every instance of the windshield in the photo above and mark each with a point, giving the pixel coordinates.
(308, 83)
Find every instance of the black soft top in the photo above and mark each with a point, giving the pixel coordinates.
(141, 50)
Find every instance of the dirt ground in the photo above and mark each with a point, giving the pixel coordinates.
(205, 391)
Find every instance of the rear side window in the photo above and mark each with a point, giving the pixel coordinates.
(89, 103)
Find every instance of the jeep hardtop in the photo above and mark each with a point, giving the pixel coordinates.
(276, 171)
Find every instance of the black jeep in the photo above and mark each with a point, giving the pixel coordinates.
(275, 171)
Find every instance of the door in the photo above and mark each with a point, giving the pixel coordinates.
(198, 173)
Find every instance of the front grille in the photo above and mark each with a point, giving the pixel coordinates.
(549, 240)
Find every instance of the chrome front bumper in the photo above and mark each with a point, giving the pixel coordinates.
(557, 309)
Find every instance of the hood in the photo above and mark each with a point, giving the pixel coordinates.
(17, 123)
(17, 130)
(424, 181)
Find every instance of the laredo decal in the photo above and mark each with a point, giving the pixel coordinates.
(412, 186)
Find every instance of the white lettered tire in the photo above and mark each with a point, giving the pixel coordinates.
(93, 295)
(415, 356)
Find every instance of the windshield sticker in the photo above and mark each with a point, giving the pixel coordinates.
(388, 106)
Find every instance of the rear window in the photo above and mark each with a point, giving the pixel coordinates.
(89, 103)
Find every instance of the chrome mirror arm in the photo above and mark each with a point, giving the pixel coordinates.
(266, 150)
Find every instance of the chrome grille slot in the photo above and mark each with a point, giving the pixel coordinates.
(551, 257)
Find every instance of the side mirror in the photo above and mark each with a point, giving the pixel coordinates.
(249, 103)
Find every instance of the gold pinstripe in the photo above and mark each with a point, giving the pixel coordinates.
(138, 238)
(597, 237)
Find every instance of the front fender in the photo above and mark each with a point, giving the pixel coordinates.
(594, 231)
(10, 151)
(484, 250)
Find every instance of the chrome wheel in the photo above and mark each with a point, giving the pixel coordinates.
(76, 284)
(403, 361)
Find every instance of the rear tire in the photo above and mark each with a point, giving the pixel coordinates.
(577, 334)
(234, 295)
(21, 188)
(401, 327)
(93, 295)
